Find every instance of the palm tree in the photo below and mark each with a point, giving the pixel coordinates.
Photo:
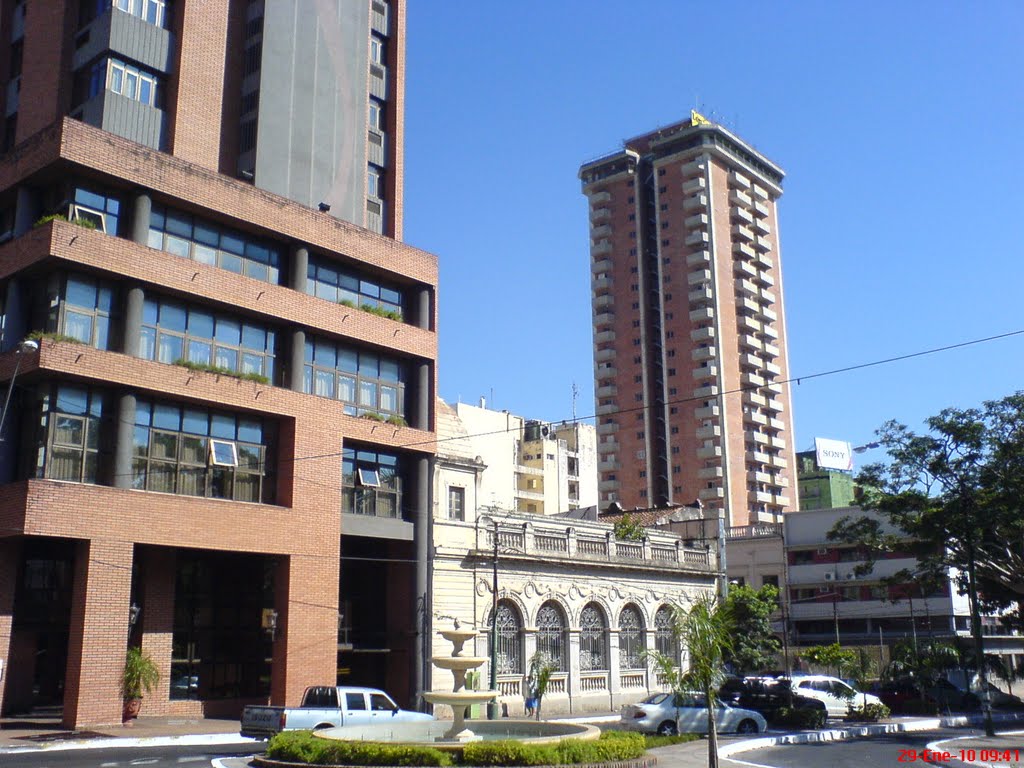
(707, 634)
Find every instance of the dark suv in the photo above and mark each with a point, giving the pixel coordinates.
(765, 695)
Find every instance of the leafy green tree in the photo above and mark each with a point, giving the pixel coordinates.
(541, 669)
(707, 633)
(755, 647)
(626, 528)
(922, 665)
(833, 657)
(953, 496)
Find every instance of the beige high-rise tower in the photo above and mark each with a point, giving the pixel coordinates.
(689, 332)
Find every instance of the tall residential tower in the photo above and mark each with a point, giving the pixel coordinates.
(221, 358)
(689, 336)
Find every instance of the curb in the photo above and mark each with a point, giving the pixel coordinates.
(192, 740)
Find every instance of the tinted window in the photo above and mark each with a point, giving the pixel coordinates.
(355, 701)
(381, 703)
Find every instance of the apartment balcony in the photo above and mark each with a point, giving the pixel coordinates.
(765, 279)
(701, 296)
(768, 314)
(747, 289)
(773, 369)
(606, 409)
(607, 391)
(779, 480)
(709, 452)
(600, 266)
(741, 214)
(750, 305)
(711, 493)
(749, 341)
(600, 231)
(761, 438)
(608, 372)
(755, 398)
(604, 300)
(763, 497)
(753, 361)
(604, 336)
(762, 259)
(707, 412)
(607, 429)
(710, 473)
(699, 277)
(695, 239)
(747, 323)
(699, 259)
(702, 334)
(695, 203)
(776, 424)
(692, 167)
(700, 220)
(524, 469)
(758, 457)
(703, 353)
(608, 466)
(597, 198)
(702, 314)
(761, 227)
(770, 350)
(768, 297)
(608, 446)
(760, 192)
(604, 318)
(702, 372)
(774, 387)
(761, 209)
(604, 354)
(737, 179)
(597, 214)
(778, 462)
(705, 392)
(598, 249)
(773, 405)
(601, 284)
(778, 442)
(757, 476)
(753, 417)
(770, 331)
(744, 250)
(707, 433)
(744, 269)
(736, 197)
(608, 485)
(693, 186)
(782, 501)
(743, 233)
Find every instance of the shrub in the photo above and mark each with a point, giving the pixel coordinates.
(508, 752)
(304, 747)
(870, 713)
(58, 337)
(801, 717)
(47, 219)
(371, 416)
(612, 746)
(390, 314)
(397, 421)
(206, 368)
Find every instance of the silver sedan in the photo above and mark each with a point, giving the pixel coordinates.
(656, 714)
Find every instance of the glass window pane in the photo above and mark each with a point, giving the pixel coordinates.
(170, 348)
(223, 426)
(81, 293)
(250, 431)
(102, 332)
(172, 317)
(147, 343)
(254, 337)
(192, 481)
(369, 289)
(326, 355)
(367, 394)
(204, 254)
(150, 312)
(160, 477)
(164, 445)
(193, 450)
(232, 243)
(200, 352)
(180, 224)
(64, 464)
(166, 417)
(68, 430)
(327, 291)
(229, 332)
(116, 78)
(195, 422)
(369, 365)
(227, 358)
(176, 246)
(389, 399)
(230, 262)
(131, 82)
(200, 324)
(252, 363)
(105, 299)
(257, 271)
(324, 383)
(389, 370)
(247, 487)
(145, 90)
(205, 234)
(73, 400)
(348, 361)
(78, 326)
(390, 295)
(249, 457)
(347, 389)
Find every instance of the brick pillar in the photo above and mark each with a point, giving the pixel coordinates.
(306, 646)
(98, 635)
(45, 78)
(10, 558)
(157, 622)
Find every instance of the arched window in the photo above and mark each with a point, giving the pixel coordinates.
(665, 641)
(631, 638)
(551, 630)
(509, 629)
(593, 639)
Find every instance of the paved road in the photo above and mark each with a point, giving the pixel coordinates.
(130, 757)
(878, 751)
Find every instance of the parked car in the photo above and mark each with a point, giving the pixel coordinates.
(766, 695)
(327, 706)
(899, 695)
(952, 697)
(659, 714)
(837, 695)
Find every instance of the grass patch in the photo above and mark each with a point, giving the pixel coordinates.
(205, 368)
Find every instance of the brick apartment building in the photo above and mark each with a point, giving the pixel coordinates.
(219, 446)
(689, 336)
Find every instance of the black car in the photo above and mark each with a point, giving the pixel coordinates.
(765, 695)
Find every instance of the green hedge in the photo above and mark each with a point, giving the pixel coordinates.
(801, 718)
(304, 747)
(869, 713)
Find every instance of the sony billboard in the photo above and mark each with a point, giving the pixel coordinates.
(833, 454)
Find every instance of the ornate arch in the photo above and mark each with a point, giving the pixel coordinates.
(594, 624)
(601, 601)
(631, 637)
(553, 633)
(665, 641)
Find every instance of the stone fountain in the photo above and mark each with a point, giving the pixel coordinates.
(433, 733)
(459, 699)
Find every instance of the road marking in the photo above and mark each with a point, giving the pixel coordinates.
(144, 761)
(745, 762)
(192, 759)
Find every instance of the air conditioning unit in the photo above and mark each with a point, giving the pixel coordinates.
(829, 576)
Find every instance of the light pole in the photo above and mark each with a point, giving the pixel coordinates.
(25, 347)
(492, 706)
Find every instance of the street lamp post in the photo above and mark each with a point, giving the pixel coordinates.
(492, 706)
(25, 347)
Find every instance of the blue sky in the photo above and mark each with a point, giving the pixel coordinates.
(899, 126)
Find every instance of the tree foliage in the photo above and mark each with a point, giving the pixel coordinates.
(755, 647)
(626, 528)
(954, 497)
(840, 661)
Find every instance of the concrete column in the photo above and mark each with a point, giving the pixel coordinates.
(98, 633)
(126, 404)
(424, 309)
(28, 209)
(10, 559)
(17, 315)
(297, 360)
(614, 671)
(574, 670)
(423, 604)
(420, 411)
(134, 303)
(157, 621)
(142, 208)
(299, 272)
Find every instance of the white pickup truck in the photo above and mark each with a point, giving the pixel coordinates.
(326, 706)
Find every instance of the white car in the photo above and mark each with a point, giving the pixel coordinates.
(837, 695)
(655, 714)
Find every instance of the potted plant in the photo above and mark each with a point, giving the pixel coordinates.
(140, 674)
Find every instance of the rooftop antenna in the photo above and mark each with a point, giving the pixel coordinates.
(575, 394)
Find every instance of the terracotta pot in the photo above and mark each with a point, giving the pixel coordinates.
(131, 709)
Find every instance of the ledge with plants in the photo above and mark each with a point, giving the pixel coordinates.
(304, 748)
(390, 314)
(205, 368)
(83, 223)
(396, 421)
(59, 338)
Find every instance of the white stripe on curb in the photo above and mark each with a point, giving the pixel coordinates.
(152, 741)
